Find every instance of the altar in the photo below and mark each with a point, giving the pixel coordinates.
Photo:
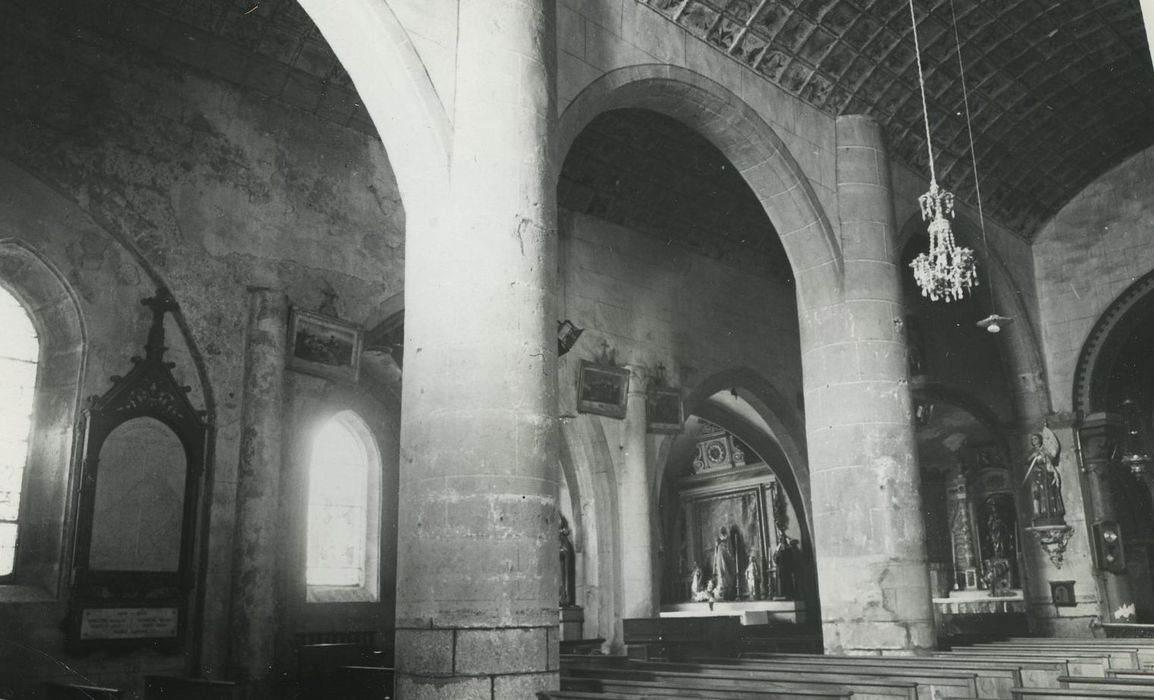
(753, 612)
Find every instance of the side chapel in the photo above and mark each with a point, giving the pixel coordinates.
(453, 338)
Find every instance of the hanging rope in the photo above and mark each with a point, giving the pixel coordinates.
(922, 85)
(970, 131)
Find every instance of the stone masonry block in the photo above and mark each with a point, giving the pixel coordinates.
(466, 688)
(508, 650)
(858, 164)
(433, 652)
(524, 685)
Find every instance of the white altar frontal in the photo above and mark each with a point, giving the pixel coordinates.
(751, 612)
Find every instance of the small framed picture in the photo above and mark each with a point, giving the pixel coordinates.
(602, 389)
(324, 346)
(663, 411)
(1062, 594)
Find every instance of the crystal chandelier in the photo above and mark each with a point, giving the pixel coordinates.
(947, 271)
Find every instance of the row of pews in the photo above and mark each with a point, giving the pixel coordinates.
(1015, 669)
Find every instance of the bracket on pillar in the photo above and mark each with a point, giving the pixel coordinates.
(1053, 539)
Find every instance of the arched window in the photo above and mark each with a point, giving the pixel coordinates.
(344, 512)
(19, 353)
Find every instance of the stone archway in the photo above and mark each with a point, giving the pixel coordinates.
(588, 469)
(390, 77)
(749, 143)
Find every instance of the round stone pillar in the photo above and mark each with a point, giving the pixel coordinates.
(254, 616)
(1100, 435)
(869, 534)
(636, 527)
(477, 562)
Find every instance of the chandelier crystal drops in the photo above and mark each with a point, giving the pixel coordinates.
(947, 271)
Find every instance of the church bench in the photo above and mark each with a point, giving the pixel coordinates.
(1130, 673)
(579, 695)
(673, 690)
(180, 688)
(1120, 657)
(1080, 694)
(55, 690)
(1087, 683)
(680, 637)
(1143, 653)
(708, 677)
(1076, 665)
(936, 682)
(362, 683)
(582, 646)
(994, 679)
(954, 681)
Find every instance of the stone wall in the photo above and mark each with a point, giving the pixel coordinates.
(1087, 255)
(124, 170)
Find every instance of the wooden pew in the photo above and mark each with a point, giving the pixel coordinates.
(1130, 673)
(1144, 650)
(180, 688)
(1079, 694)
(1081, 682)
(972, 682)
(676, 638)
(362, 683)
(1076, 665)
(54, 690)
(677, 690)
(708, 677)
(995, 676)
(1120, 656)
(578, 695)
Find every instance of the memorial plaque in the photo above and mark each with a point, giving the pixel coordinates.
(128, 623)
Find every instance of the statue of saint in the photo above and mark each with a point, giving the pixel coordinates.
(568, 589)
(753, 578)
(1044, 478)
(785, 557)
(724, 566)
(698, 592)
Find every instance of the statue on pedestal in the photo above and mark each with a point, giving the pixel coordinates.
(568, 588)
(1045, 480)
(785, 560)
(753, 579)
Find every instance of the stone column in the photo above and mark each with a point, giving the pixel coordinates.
(477, 561)
(1099, 436)
(254, 603)
(869, 535)
(636, 527)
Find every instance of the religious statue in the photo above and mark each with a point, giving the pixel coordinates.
(568, 589)
(698, 590)
(725, 566)
(752, 579)
(785, 562)
(1044, 478)
(997, 532)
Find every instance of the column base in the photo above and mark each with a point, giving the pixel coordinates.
(486, 662)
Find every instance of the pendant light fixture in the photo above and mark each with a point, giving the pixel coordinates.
(947, 270)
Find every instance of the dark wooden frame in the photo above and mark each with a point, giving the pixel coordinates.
(657, 419)
(149, 390)
(588, 401)
(306, 321)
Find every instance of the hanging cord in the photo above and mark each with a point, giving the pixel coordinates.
(973, 154)
(922, 85)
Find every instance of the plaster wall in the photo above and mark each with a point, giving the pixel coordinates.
(126, 170)
(1088, 254)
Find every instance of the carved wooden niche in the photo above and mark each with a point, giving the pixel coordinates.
(144, 454)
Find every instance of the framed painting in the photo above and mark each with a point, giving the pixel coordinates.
(324, 346)
(663, 411)
(601, 389)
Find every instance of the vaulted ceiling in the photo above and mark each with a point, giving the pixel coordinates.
(1060, 91)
